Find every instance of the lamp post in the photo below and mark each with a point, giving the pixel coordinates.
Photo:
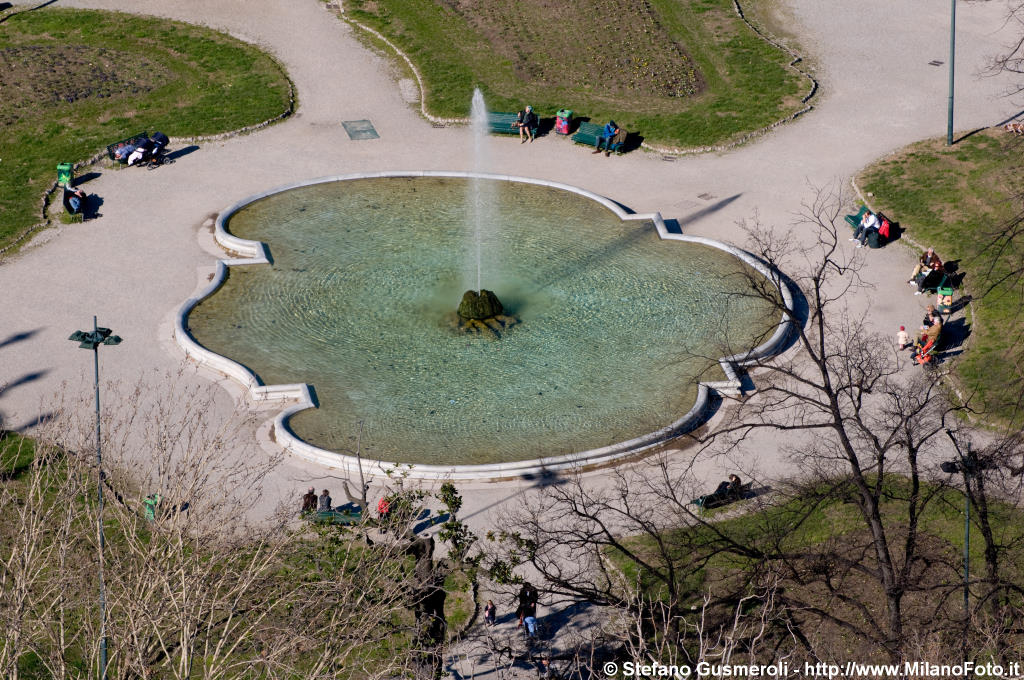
(967, 465)
(92, 340)
(952, 57)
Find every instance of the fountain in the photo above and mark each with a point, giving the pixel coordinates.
(620, 320)
(480, 312)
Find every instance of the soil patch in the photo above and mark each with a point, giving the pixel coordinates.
(36, 77)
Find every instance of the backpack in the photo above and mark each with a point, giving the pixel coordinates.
(883, 230)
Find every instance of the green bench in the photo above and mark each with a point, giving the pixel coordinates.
(505, 123)
(335, 517)
(854, 220)
(111, 148)
(588, 134)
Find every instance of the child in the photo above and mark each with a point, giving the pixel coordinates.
(489, 611)
(902, 339)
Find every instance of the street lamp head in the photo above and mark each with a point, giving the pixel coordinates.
(93, 339)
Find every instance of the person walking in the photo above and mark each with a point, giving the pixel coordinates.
(490, 612)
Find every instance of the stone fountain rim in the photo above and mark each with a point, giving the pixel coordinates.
(247, 252)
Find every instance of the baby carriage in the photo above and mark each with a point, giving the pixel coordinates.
(149, 151)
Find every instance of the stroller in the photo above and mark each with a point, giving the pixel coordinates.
(149, 151)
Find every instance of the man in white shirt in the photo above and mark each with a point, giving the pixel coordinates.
(869, 221)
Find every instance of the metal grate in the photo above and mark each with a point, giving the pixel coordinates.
(360, 129)
(936, 62)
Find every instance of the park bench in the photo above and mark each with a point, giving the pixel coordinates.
(111, 148)
(335, 517)
(72, 215)
(588, 134)
(854, 220)
(500, 123)
(717, 500)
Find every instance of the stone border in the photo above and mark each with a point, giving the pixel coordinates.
(339, 6)
(254, 252)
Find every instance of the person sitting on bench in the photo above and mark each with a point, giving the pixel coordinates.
(926, 262)
(527, 122)
(610, 130)
(142, 150)
(930, 279)
(74, 200)
(124, 150)
(868, 222)
(732, 487)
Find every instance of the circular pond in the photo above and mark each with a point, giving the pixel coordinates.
(615, 326)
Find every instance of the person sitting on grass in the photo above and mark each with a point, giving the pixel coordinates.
(527, 122)
(867, 223)
(607, 135)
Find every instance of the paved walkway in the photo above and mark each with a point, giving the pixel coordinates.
(878, 94)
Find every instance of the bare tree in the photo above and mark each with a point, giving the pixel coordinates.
(860, 424)
(203, 578)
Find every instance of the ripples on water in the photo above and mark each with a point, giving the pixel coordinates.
(616, 324)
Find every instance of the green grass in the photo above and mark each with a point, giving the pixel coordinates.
(16, 454)
(834, 517)
(74, 81)
(732, 81)
(954, 198)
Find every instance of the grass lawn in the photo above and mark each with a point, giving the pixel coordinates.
(74, 81)
(829, 524)
(683, 73)
(956, 199)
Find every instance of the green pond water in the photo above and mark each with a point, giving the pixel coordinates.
(616, 325)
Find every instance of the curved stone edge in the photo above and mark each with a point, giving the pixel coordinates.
(254, 252)
(339, 5)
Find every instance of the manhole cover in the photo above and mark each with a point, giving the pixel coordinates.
(360, 129)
